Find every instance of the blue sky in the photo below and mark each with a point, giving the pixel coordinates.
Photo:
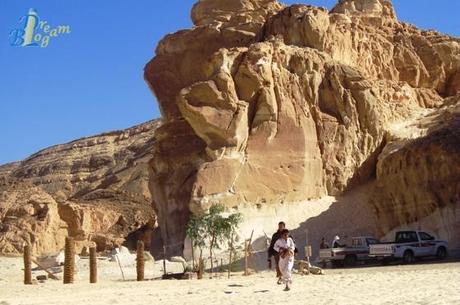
(91, 80)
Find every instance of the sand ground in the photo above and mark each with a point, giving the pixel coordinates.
(415, 284)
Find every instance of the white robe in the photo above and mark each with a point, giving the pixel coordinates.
(287, 263)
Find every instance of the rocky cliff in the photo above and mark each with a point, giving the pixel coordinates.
(266, 104)
(344, 121)
(94, 189)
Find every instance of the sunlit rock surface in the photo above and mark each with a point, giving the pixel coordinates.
(265, 104)
(94, 189)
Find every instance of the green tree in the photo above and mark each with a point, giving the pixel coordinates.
(212, 228)
(196, 232)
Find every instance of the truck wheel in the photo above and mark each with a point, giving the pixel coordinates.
(350, 261)
(408, 257)
(337, 264)
(441, 253)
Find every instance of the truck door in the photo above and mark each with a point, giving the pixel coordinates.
(359, 247)
(410, 240)
(427, 243)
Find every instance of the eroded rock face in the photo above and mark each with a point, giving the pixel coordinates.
(265, 104)
(419, 177)
(94, 189)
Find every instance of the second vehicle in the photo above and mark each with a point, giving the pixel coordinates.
(349, 256)
(408, 246)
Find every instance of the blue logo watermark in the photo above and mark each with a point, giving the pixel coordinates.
(34, 32)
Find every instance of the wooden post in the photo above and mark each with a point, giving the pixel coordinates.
(250, 249)
(92, 265)
(69, 260)
(164, 259)
(212, 263)
(309, 253)
(246, 272)
(27, 266)
(221, 266)
(306, 241)
(307, 249)
(140, 261)
(230, 256)
(200, 268)
(193, 254)
(119, 265)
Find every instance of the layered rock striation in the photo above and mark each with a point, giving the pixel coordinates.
(94, 189)
(265, 104)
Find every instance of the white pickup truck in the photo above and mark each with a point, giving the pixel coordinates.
(348, 256)
(409, 245)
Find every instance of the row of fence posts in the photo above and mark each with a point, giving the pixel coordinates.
(69, 263)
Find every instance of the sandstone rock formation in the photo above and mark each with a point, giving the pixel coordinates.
(264, 107)
(264, 104)
(419, 178)
(95, 189)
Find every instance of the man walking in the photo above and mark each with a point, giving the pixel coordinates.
(285, 247)
(275, 254)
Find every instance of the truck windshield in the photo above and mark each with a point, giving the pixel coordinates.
(372, 241)
(425, 236)
(406, 237)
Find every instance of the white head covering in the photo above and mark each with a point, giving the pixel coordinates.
(336, 238)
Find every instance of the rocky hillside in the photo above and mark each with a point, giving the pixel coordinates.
(95, 189)
(343, 121)
(265, 104)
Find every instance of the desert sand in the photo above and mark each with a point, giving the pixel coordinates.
(414, 284)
